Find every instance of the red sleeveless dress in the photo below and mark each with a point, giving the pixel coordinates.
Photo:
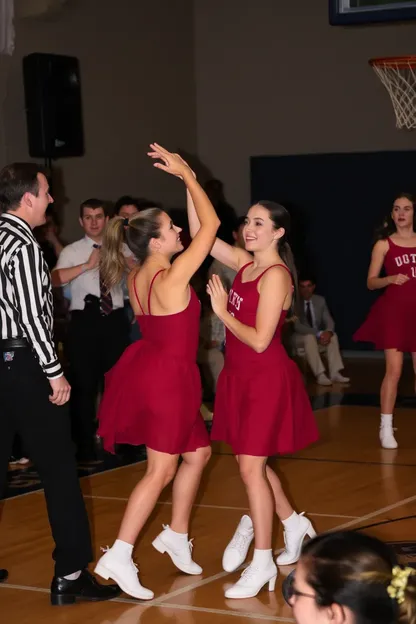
(390, 323)
(261, 405)
(153, 394)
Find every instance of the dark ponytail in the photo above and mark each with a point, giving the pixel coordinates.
(281, 219)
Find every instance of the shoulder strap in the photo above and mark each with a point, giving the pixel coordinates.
(150, 289)
(137, 296)
(241, 271)
(275, 265)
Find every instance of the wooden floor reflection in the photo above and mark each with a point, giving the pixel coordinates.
(345, 480)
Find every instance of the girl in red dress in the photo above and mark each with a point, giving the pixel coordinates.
(390, 324)
(153, 394)
(261, 406)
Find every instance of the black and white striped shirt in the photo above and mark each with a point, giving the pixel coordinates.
(26, 304)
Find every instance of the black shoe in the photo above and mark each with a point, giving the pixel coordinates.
(3, 575)
(85, 588)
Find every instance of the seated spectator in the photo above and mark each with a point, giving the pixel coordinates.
(351, 578)
(314, 331)
(210, 352)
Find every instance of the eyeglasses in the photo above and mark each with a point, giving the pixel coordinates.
(292, 592)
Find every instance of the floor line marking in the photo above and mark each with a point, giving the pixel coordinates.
(168, 605)
(226, 507)
(345, 525)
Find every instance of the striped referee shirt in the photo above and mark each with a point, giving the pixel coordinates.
(26, 304)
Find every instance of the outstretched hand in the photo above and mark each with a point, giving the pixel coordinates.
(171, 163)
(218, 294)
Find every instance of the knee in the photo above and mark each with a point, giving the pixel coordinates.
(162, 475)
(250, 473)
(310, 341)
(393, 374)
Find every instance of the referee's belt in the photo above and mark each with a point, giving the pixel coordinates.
(9, 344)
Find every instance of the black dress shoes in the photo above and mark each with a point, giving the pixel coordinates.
(85, 588)
(3, 575)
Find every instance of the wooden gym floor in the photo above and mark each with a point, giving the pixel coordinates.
(344, 481)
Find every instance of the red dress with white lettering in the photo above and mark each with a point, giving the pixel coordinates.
(391, 322)
(261, 405)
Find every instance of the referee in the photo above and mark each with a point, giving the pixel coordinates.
(33, 390)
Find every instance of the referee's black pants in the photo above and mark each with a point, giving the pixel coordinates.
(45, 430)
(95, 343)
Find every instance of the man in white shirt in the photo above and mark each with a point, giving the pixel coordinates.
(98, 331)
(315, 333)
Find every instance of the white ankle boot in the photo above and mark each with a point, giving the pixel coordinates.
(387, 439)
(124, 573)
(294, 533)
(261, 570)
(236, 552)
(178, 548)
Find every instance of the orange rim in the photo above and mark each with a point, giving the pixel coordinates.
(393, 61)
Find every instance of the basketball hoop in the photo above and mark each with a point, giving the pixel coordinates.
(398, 75)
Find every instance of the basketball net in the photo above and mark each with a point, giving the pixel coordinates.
(398, 75)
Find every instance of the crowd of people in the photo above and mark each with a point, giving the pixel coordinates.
(134, 270)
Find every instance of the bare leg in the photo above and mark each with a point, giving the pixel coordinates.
(161, 468)
(253, 473)
(414, 367)
(185, 487)
(282, 506)
(388, 391)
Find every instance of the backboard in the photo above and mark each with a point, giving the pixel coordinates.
(349, 12)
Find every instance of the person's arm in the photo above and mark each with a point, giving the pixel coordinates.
(374, 282)
(186, 265)
(273, 289)
(232, 257)
(29, 299)
(65, 271)
(303, 329)
(327, 320)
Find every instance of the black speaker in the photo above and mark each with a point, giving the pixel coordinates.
(53, 106)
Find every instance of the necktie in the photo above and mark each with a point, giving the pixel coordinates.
(309, 313)
(106, 300)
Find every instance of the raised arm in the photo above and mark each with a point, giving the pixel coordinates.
(273, 288)
(184, 267)
(232, 257)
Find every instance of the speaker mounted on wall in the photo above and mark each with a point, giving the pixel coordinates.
(53, 106)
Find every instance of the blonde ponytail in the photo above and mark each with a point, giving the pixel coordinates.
(112, 262)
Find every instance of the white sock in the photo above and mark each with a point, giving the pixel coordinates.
(291, 523)
(262, 558)
(74, 576)
(386, 420)
(122, 550)
(178, 536)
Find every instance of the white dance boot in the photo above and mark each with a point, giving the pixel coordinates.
(179, 549)
(387, 439)
(236, 552)
(261, 570)
(117, 564)
(296, 527)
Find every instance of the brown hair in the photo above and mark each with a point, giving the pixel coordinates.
(354, 570)
(136, 233)
(16, 180)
